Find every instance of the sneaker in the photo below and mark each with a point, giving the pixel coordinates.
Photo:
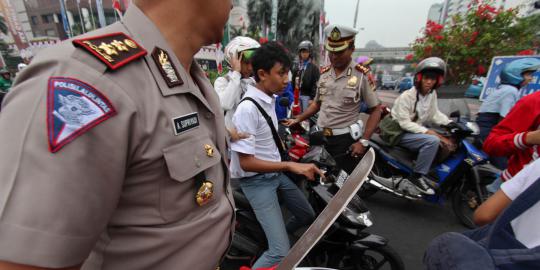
(422, 185)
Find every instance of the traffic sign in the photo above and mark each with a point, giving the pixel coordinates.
(493, 80)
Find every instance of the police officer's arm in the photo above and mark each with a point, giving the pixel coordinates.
(60, 184)
(312, 109)
(375, 109)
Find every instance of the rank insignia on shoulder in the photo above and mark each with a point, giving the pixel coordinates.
(325, 69)
(115, 50)
(166, 67)
(362, 69)
(73, 108)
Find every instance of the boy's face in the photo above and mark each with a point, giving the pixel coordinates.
(276, 80)
(527, 78)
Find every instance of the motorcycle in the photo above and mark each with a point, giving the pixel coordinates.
(461, 178)
(344, 246)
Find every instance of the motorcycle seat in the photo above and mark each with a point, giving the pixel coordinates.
(403, 155)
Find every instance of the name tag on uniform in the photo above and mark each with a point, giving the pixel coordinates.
(185, 122)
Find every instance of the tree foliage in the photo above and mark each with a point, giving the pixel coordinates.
(297, 20)
(7, 53)
(469, 42)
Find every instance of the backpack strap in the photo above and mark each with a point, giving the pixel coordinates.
(279, 143)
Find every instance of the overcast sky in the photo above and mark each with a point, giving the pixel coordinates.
(392, 23)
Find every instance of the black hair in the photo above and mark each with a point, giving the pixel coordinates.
(267, 56)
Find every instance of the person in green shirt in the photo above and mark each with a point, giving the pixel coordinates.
(5, 83)
(5, 80)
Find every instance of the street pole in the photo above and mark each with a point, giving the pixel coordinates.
(92, 14)
(80, 16)
(356, 13)
(273, 20)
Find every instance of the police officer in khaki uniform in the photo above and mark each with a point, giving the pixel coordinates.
(113, 153)
(341, 90)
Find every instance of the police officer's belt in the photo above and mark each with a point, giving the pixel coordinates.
(335, 131)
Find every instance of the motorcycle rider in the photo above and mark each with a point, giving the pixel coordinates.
(515, 75)
(256, 160)
(231, 87)
(415, 108)
(306, 74)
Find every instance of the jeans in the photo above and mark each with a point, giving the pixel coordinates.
(304, 102)
(426, 145)
(261, 192)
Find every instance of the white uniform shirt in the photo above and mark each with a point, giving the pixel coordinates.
(526, 225)
(230, 89)
(249, 120)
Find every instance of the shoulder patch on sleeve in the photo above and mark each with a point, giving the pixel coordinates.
(115, 50)
(73, 107)
(362, 69)
(325, 69)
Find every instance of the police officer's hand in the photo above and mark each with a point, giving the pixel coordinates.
(235, 135)
(448, 143)
(290, 122)
(308, 170)
(236, 63)
(357, 149)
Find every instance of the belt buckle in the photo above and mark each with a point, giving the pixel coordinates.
(327, 132)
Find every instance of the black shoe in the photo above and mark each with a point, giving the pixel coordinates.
(421, 184)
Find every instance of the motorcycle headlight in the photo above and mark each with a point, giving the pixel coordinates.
(474, 127)
(363, 219)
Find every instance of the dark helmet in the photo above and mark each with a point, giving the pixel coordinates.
(433, 65)
(305, 45)
(513, 72)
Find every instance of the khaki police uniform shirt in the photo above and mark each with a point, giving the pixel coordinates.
(121, 195)
(341, 97)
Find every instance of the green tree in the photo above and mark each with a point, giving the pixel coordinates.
(469, 42)
(297, 20)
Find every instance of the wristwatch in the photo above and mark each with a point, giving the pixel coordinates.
(364, 142)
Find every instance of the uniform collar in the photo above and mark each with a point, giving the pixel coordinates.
(259, 94)
(145, 32)
(347, 72)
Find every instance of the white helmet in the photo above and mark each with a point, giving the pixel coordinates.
(239, 44)
(21, 66)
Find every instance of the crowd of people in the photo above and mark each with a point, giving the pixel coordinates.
(119, 146)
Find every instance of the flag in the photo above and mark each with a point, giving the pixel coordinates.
(65, 21)
(126, 4)
(116, 5)
(101, 13)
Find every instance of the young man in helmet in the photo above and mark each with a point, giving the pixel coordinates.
(515, 75)
(416, 108)
(517, 136)
(306, 74)
(231, 87)
(342, 88)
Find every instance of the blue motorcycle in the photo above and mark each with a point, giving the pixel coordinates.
(461, 177)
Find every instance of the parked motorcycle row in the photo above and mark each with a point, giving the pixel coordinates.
(461, 179)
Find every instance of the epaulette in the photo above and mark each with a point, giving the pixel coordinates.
(362, 69)
(115, 49)
(325, 69)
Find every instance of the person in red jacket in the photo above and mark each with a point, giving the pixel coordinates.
(517, 136)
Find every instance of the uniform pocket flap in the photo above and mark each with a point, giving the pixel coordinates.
(187, 159)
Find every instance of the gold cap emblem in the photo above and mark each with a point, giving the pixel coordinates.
(335, 35)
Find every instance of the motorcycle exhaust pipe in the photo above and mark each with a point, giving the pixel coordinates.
(382, 187)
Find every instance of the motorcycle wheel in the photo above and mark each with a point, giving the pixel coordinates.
(368, 190)
(379, 258)
(465, 200)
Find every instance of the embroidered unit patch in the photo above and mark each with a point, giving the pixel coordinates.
(73, 107)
